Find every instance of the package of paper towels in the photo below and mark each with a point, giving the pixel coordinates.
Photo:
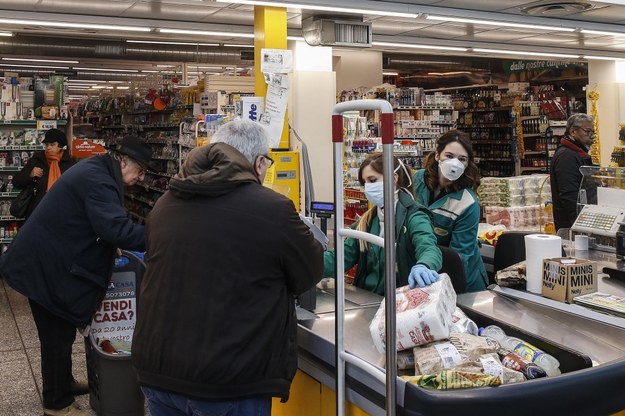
(423, 315)
(537, 248)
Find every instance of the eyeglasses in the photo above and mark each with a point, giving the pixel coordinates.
(268, 161)
(589, 132)
(142, 170)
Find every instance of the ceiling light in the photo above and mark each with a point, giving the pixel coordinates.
(603, 58)
(442, 74)
(106, 69)
(232, 45)
(207, 33)
(74, 25)
(392, 74)
(219, 68)
(36, 66)
(320, 8)
(601, 32)
(85, 84)
(6, 33)
(529, 53)
(297, 38)
(501, 24)
(54, 61)
(159, 42)
(410, 45)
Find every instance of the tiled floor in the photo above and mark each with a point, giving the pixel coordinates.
(20, 371)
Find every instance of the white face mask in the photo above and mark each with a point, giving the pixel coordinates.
(451, 169)
(375, 193)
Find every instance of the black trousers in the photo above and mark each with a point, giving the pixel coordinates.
(56, 337)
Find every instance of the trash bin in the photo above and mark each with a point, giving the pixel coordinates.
(113, 386)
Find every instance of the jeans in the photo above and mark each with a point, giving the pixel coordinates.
(162, 403)
(56, 337)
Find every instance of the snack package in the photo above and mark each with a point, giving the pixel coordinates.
(453, 379)
(512, 276)
(461, 323)
(423, 315)
(459, 349)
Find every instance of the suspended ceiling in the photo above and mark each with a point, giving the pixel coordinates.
(111, 48)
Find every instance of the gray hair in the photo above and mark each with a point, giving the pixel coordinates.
(576, 120)
(247, 136)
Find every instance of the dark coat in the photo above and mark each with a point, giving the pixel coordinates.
(22, 178)
(565, 181)
(62, 257)
(216, 308)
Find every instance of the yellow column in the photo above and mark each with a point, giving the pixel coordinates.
(269, 32)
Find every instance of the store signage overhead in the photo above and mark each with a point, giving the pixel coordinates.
(512, 67)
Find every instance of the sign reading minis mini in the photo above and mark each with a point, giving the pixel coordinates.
(566, 278)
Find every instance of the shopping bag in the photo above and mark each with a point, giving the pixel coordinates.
(19, 205)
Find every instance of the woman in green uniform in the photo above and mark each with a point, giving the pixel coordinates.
(447, 187)
(417, 256)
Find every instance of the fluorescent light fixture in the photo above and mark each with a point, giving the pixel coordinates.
(219, 68)
(207, 33)
(105, 69)
(442, 74)
(85, 84)
(53, 61)
(35, 66)
(410, 45)
(232, 45)
(320, 8)
(391, 74)
(160, 42)
(74, 25)
(601, 32)
(8, 34)
(166, 66)
(501, 24)
(296, 38)
(528, 53)
(603, 58)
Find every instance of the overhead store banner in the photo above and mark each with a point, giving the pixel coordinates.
(512, 67)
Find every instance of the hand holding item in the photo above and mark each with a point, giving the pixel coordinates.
(422, 276)
(36, 172)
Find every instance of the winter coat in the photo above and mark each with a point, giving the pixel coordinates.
(456, 217)
(62, 257)
(225, 259)
(565, 181)
(415, 244)
(38, 160)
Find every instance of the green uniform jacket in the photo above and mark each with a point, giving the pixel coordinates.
(416, 243)
(456, 220)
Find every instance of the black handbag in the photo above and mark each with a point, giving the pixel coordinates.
(19, 205)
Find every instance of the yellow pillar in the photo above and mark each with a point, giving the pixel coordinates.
(269, 32)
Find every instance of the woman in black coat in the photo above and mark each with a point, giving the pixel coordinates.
(40, 168)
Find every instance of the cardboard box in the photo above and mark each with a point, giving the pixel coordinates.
(566, 278)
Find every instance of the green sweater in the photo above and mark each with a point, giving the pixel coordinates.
(415, 244)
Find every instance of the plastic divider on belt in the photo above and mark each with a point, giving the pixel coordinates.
(113, 386)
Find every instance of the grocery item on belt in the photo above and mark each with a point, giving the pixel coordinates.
(457, 350)
(516, 362)
(405, 360)
(453, 379)
(512, 276)
(423, 315)
(461, 323)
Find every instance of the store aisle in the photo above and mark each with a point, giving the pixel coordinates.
(20, 370)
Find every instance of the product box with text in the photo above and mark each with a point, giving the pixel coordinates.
(566, 278)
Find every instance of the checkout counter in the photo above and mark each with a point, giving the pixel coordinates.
(589, 345)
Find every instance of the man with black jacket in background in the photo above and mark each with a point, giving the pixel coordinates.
(565, 175)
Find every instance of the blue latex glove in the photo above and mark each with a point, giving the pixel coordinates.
(422, 276)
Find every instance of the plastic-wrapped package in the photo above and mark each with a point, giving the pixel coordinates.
(422, 315)
(461, 323)
(457, 350)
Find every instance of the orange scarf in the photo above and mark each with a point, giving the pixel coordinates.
(55, 171)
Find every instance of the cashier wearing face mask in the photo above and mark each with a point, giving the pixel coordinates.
(447, 187)
(418, 259)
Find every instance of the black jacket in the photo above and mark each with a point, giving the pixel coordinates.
(62, 257)
(225, 259)
(22, 178)
(565, 181)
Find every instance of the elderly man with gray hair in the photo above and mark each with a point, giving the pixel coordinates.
(565, 175)
(226, 256)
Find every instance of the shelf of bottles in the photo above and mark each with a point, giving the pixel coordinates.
(540, 137)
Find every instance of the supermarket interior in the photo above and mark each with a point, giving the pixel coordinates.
(522, 286)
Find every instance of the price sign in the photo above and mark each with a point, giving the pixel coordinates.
(46, 124)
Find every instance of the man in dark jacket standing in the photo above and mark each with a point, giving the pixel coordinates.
(226, 256)
(565, 175)
(62, 258)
